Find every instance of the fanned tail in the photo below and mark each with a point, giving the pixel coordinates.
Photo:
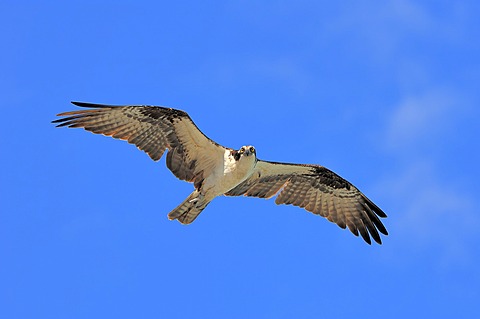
(189, 209)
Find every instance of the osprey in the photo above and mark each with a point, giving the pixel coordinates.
(215, 170)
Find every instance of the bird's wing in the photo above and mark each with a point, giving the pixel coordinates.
(318, 190)
(191, 156)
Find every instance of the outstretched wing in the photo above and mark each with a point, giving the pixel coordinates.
(191, 156)
(318, 190)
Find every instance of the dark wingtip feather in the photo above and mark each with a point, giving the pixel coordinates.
(60, 122)
(378, 240)
(372, 216)
(375, 208)
(382, 229)
(364, 234)
(63, 124)
(91, 105)
(65, 121)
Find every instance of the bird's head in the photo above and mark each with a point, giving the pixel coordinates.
(246, 151)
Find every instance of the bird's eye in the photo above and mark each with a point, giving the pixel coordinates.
(252, 150)
(242, 150)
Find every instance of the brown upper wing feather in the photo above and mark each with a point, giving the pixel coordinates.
(319, 191)
(152, 129)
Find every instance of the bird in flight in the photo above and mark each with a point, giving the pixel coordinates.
(216, 170)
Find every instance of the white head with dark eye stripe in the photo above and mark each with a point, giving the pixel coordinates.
(245, 152)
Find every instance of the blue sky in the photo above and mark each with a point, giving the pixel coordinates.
(384, 93)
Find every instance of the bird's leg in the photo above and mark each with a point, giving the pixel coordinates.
(200, 197)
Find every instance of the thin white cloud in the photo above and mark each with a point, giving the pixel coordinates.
(287, 70)
(433, 214)
(418, 118)
(431, 211)
(381, 31)
(381, 28)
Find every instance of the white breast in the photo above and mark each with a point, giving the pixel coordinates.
(229, 175)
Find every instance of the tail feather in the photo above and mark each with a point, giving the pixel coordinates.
(189, 209)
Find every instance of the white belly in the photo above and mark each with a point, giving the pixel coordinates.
(229, 175)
